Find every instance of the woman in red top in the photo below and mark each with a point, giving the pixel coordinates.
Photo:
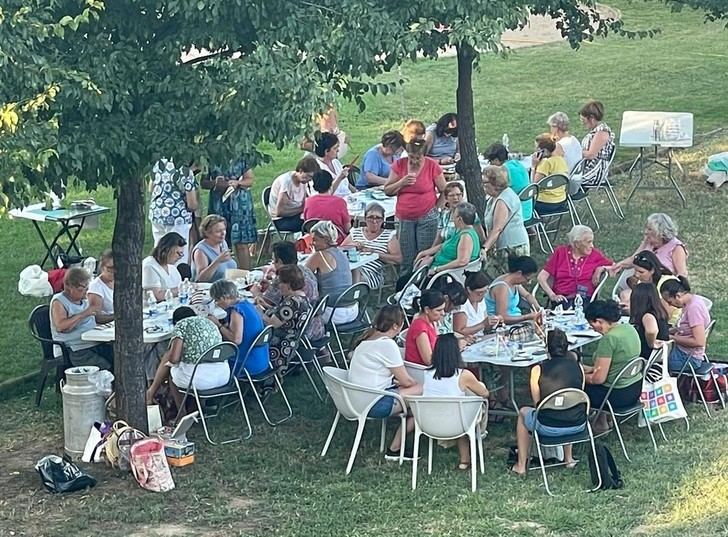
(422, 333)
(326, 206)
(573, 268)
(416, 180)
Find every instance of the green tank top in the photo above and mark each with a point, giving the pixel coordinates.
(449, 250)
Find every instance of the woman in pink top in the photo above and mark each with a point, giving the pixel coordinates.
(422, 333)
(660, 236)
(416, 180)
(325, 206)
(573, 268)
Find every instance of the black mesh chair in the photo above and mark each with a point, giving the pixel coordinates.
(39, 323)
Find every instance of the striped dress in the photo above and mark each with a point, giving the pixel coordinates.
(373, 272)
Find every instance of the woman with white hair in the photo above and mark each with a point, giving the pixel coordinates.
(573, 268)
(332, 270)
(567, 145)
(660, 237)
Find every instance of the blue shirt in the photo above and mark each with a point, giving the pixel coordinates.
(375, 163)
(513, 300)
(258, 360)
(519, 180)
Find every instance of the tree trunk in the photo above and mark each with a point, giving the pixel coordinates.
(469, 167)
(131, 382)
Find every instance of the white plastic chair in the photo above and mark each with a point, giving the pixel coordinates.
(457, 274)
(416, 371)
(354, 403)
(447, 418)
(621, 284)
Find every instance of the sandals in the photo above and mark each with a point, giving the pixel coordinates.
(463, 466)
(511, 471)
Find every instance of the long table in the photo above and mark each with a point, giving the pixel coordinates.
(358, 201)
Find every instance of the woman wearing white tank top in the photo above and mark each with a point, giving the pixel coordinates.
(567, 145)
(448, 378)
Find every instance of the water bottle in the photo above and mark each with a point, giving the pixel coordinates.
(169, 299)
(579, 310)
(151, 303)
(184, 292)
(506, 141)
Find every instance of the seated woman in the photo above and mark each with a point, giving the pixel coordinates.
(413, 129)
(422, 333)
(377, 363)
(619, 345)
(543, 164)
(573, 268)
(101, 289)
(460, 249)
(332, 270)
(374, 238)
(326, 206)
(505, 292)
(241, 326)
(455, 297)
(378, 160)
(288, 317)
(567, 145)
(211, 256)
(497, 155)
(690, 334)
(454, 196)
(191, 337)
(560, 371)
(288, 194)
(598, 144)
(326, 150)
(648, 269)
(71, 315)
(648, 317)
(442, 139)
(159, 272)
(448, 378)
(472, 318)
(660, 237)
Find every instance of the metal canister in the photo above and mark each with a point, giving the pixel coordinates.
(82, 406)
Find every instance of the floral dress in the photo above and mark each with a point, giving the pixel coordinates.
(293, 311)
(238, 209)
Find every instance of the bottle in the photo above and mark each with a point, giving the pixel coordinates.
(579, 309)
(184, 292)
(169, 299)
(506, 141)
(151, 303)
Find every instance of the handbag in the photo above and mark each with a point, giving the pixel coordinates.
(661, 400)
(149, 465)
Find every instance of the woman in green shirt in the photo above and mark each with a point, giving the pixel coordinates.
(462, 248)
(619, 345)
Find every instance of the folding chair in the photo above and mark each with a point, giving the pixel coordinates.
(448, 418)
(39, 323)
(564, 400)
(219, 353)
(318, 345)
(554, 182)
(271, 227)
(577, 194)
(619, 415)
(356, 294)
(535, 223)
(261, 340)
(354, 403)
(416, 280)
(303, 356)
(601, 171)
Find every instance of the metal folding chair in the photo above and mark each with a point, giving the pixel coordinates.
(554, 182)
(416, 280)
(601, 171)
(271, 227)
(578, 195)
(356, 294)
(536, 223)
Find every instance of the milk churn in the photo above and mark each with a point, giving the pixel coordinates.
(82, 406)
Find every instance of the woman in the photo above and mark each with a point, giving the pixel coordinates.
(288, 195)
(518, 179)
(377, 363)
(690, 335)
(618, 346)
(327, 206)
(505, 292)
(415, 180)
(159, 272)
(660, 237)
(455, 297)
(71, 315)
(231, 197)
(378, 160)
(598, 144)
(441, 140)
(461, 249)
(544, 162)
(101, 289)
(326, 150)
(211, 256)
(172, 201)
(448, 377)
(573, 268)
(648, 269)
(422, 333)
(413, 129)
(454, 195)
(472, 318)
(288, 318)
(373, 238)
(503, 219)
(241, 326)
(191, 337)
(560, 371)
(332, 271)
(567, 145)
(648, 317)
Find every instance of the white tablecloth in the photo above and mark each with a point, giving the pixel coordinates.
(358, 201)
(363, 259)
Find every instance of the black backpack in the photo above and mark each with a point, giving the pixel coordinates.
(611, 478)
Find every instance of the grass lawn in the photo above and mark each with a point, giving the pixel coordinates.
(276, 483)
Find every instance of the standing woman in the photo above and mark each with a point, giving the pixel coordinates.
(648, 317)
(101, 289)
(442, 140)
(326, 150)
(378, 160)
(159, 272)
(422, 333)
(416, 180)
(598, 144)
(211, 256)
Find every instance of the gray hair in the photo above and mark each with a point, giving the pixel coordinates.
(327, 231)
(374, 207)
(559, 120)
(223, 289)
(467, 212)
(663, 225)
(578, 233)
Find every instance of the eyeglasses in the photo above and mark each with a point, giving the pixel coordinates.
(374, 218)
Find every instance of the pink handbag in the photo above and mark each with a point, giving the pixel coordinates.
(149, 465)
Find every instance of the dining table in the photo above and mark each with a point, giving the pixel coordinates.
(357, 202)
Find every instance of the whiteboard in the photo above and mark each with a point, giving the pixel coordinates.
(662, 129)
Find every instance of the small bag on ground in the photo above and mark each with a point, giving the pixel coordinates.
(61, 475)
(611, 477)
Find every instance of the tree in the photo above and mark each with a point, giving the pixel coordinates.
(715, 10)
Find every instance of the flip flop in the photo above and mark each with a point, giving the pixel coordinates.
(463, 466)
(511, 471)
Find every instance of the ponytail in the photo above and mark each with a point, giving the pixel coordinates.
(674, 285)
